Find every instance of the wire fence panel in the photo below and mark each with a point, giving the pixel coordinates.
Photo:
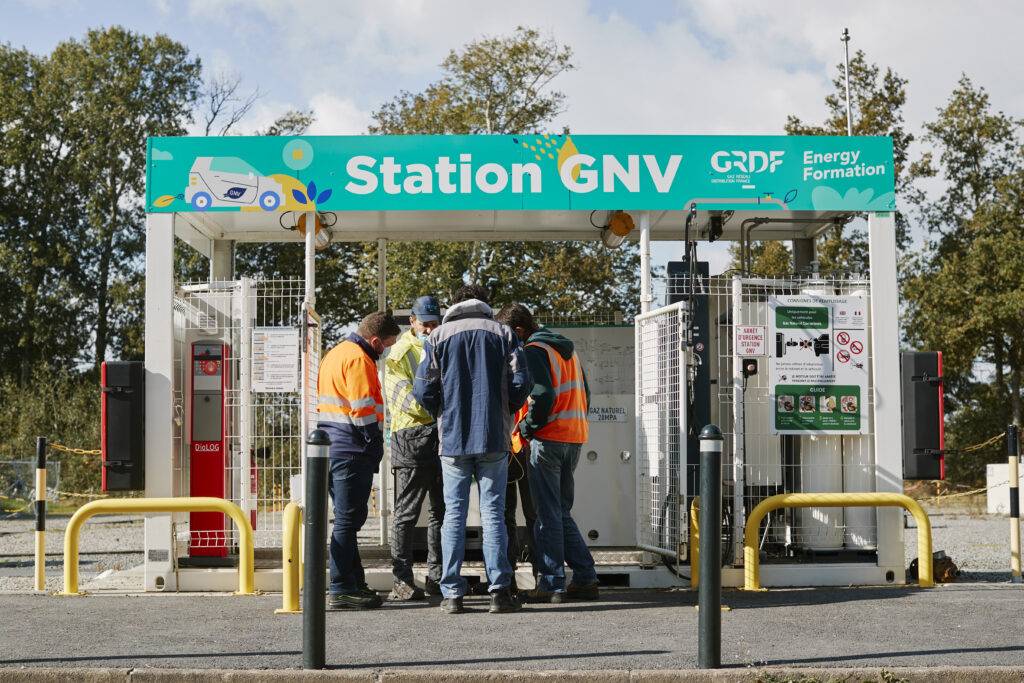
(661, 430)
(759, 458)
(263, 425)
(759, 461)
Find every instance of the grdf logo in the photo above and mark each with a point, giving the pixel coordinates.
(754, 161)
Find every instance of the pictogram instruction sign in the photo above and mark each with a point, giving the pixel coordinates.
(818, 364)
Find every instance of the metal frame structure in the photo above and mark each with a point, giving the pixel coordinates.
(214, 234)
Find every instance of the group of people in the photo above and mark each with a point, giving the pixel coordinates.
(471, 396)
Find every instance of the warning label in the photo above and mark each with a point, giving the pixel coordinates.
(750, 341)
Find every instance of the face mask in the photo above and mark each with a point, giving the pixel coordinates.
(421, 336)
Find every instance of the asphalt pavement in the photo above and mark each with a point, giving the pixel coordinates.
(958, 624)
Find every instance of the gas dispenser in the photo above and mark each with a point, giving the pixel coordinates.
(208, 453)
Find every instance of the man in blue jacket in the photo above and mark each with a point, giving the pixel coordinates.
(473, 377)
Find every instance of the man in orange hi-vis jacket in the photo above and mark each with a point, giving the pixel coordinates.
(556, 425)
(351, 411)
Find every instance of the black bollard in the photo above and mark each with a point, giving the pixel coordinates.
(709, 600)
(314, 587)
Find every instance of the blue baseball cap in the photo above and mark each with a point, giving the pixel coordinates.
(426, 309)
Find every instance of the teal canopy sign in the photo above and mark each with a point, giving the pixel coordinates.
(519, 172)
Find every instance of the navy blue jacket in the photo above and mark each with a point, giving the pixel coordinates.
(473, 378)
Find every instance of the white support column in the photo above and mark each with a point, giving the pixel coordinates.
(159, 363)
(385, 462)
(310, 299)
(887, 420)
(222, 260)
(310, 265)
(646, 294)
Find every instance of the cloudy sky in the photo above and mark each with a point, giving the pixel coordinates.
(644, 66)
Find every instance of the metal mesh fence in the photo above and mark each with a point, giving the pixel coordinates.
(262, 424)
(759, 460)
(661, 429)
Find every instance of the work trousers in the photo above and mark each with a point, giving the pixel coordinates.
(413, 485)
(518, 477)
(351, 481)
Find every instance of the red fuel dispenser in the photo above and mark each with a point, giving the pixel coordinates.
(208, 466)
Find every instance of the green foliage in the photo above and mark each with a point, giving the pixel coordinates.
(493, 85)
(976, 147)
(501, 85)
(62, 406)
(965, 292)
(73, 148)
(877, 101)
(767, 259)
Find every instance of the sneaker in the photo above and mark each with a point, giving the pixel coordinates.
(404, 592)
(538, 596)
(582, 591)
(431, 588)
(452, 606)
(502, 601)
(357, 600)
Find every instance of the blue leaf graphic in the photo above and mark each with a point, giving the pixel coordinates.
(324, 196)
(311, 190)
(299, 197)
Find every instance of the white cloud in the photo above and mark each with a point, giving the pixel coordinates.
(337, 116)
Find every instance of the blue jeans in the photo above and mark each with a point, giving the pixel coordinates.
(491, 473)
(557, 538)
(351, 481)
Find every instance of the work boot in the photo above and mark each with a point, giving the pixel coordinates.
(582, 591)
(431, 588)
(538, 596)
(452, 606)
(357, 600)
(503, 602)
(404, 592)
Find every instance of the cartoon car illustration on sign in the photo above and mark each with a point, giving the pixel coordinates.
(230, 181)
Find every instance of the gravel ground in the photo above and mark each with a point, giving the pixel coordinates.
(106, 543)
(977, 543)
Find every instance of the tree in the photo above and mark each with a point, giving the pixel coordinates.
(221, 104)
(976, 147)
(767, 259)
(44, 287)
(876, 101)
(501, 85)
(964, 301)
(124, 87)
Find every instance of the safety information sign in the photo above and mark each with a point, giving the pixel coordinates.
(275, 359)
(818, 364)
(750, 341)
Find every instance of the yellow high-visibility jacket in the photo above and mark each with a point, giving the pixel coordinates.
(399, 373)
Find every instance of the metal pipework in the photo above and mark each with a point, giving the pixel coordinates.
(709, 597)
(751, 556)
(291, 560)
(750, 224)
(246, 577)
(314, 615)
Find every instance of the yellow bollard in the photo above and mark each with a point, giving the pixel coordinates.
(694, 542)
(291, 560)
(751, 556)
(246, 551)
(40, 508)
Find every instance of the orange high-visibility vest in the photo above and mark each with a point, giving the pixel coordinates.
(567, 422)
(517, 439)
(349, 387)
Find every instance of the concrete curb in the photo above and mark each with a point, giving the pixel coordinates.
(943, 674)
